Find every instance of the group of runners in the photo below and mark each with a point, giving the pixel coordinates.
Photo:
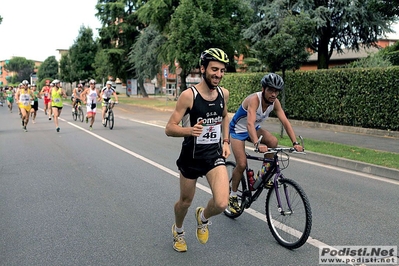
(26, 97)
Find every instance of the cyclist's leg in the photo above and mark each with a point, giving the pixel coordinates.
(104, 108)
(268, 139)
(73, 104)
(238, 148)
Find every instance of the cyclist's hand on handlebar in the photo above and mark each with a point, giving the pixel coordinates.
(262, 148)
(298, 148)
(196, 130)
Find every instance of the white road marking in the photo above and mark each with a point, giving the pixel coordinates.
(312, 241)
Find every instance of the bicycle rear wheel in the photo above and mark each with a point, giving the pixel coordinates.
(111, 119)
(80, 114)
(242, 186)
(290, 224)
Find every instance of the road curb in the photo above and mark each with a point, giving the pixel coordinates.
(352, 165)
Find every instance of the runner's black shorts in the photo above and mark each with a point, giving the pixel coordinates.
(193, 168)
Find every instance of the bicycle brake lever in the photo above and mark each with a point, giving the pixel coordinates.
(302, 144)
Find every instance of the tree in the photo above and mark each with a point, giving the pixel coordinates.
(66, 70)
(120, 27)
(391, 53)
(1, 19)
(22, 67)
(82, 55)
(287, 49)
(195, 26)
(144, 56)
(101, 64)
(49, 68)
(339, 23)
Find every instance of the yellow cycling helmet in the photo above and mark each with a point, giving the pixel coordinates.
(213, 54)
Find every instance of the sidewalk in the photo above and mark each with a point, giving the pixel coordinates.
(365, 138)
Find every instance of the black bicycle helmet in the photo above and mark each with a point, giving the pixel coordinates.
(213, 54)
(272, 80)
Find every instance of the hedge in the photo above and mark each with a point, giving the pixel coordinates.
(358, 97)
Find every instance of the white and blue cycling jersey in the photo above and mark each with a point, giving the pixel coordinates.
(238, 124)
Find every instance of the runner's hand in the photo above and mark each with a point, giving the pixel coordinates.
(196, 130)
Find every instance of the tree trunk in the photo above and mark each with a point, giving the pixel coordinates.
(142, 89)
(282, 105)
(323, 57)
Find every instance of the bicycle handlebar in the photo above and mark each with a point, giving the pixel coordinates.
(280, 149)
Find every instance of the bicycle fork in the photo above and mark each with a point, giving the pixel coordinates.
(287, 197)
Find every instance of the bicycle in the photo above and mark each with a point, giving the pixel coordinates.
(78, 112)
(109, 114)
(288, 212)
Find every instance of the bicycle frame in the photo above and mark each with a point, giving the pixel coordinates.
(273, 173)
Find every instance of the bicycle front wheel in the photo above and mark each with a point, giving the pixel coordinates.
(74, 115)
(111, 119)
(80, 114)
(290, 223)
(242, 186)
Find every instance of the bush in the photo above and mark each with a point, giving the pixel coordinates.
(361, 97)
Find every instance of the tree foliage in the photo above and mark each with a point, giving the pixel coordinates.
(22, 67)
(49, 68)
(66, 70)
(143, 56)
(82, 54)
(193, 26)
(339, 23)
(287, 48)
(119, 30)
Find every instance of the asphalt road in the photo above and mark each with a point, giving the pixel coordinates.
(105, 197)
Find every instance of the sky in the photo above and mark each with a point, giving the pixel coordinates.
(35, 29)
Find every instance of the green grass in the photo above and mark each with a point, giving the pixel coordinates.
(375, 157)
(381, 158)
(153, 101)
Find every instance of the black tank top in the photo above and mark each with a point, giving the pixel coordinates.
(208, 144)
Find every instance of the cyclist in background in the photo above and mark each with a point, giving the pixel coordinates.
(105, 95)
(245, 126)
(35, 105)
(46, 93)
(76, 96)
(90, 96)
(203, 110)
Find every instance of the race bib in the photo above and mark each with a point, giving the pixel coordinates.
(209, 135)
(57, 100)
(32, 102)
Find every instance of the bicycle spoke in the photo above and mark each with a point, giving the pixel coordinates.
(290, 222)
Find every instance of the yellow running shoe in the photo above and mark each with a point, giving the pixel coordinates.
(179, 243)
(202, 228)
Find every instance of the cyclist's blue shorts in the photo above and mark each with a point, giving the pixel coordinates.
(241, 136)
